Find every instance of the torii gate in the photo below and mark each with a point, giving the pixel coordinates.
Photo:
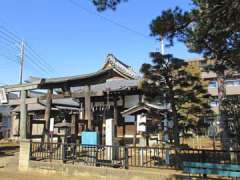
(65, 83)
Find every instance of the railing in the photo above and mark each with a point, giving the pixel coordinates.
(128, 156)
(150, 157)
(114, 156)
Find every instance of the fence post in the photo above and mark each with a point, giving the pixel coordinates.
(204, 155)
(96, 163)
(178, 162)
(126, 156)
(204, 160)
(73, 152)
(64, 152)
(31, 149)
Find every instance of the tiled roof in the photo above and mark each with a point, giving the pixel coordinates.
(119, 66)
(112, 85)
(113, 68)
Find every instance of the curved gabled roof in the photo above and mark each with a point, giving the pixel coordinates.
(113, 62)
(112, 68)
(98, 77)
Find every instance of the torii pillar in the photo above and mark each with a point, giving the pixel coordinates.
(24, 154)
(23, 115)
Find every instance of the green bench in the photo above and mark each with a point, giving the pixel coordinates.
(227, 170)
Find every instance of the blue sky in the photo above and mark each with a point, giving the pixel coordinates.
(74, 41)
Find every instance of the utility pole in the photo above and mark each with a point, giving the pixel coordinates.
(21, 61)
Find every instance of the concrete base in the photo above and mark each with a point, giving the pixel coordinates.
(24, 155)
(101, 173)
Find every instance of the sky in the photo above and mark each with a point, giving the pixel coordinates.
(72, 39)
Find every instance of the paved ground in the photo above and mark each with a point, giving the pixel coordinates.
(33, 176)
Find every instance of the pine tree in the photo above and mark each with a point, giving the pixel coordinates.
(167, 80)
(105, 4)
(211, 28)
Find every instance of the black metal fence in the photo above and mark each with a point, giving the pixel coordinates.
(128, 156)
(115, 156)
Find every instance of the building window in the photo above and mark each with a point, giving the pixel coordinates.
(212, 84)
(232, 82)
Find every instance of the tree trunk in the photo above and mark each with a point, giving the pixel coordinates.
(221, 93)
(176, 133)
(175, 127)
(175, 121)
(221, 117)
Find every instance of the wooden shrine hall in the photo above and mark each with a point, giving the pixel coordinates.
(100, 96)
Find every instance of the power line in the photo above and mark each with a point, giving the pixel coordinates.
(7, 50)
(6, 26)
(8, 53)
(18, 40)
(7, 39)
(34, 57)
(8, 35)
(28, 49)
(9, 58)
(34, 53)
(31, 60)
(124, 27)
(9, 46)
(37, 60)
